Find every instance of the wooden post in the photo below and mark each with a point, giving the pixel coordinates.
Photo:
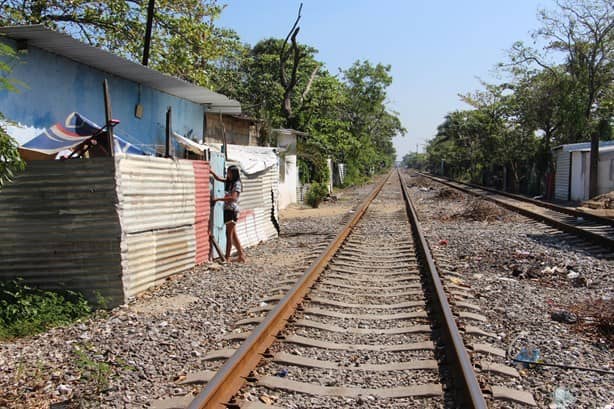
(108, 117)
(169, 132)
(217, 247)
(224, 138)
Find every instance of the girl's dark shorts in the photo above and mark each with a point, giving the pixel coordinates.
(230, 216)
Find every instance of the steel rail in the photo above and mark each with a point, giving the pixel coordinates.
(232, 375)
(551, 206)
(577, 230)
(468, 391)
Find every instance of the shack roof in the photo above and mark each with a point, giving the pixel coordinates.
(64, 45)
(604, 146)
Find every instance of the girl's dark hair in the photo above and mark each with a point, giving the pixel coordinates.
(232, 175)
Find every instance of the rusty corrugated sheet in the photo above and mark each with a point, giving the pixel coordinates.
(202, 210)
(157, 214)
(59, 227)
(258, 203)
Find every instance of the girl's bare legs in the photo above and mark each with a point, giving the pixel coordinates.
(230, 232)
(237, 244)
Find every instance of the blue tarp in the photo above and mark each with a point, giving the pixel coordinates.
(72, 132)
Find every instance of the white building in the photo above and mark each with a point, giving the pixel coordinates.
(288, 168)
(573, 170)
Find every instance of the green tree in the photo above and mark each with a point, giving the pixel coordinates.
(10, 161)
(414, 160)
(185, 42)
(582, 31)
(370, 121)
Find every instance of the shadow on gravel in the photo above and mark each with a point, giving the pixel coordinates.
(303, 233)
(67, 404)
(560, 241)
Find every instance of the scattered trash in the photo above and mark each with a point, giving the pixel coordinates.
(268, 399)
(525, 357)
(580, 219)
(263, 304)
(573, 275)
(561, 399)
(443, 242)
(565, 317)
(553, 270)
(64, 389)
(282, 373)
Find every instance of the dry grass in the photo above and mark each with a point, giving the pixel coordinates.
(596, 318)
(448, 194)
(479, 210)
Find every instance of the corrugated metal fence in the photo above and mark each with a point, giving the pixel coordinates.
(258, 203)
(115, 227)
(60, 228)
(157, 209)
(561, 181)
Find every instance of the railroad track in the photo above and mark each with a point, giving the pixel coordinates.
(596, 229)
(370, 322)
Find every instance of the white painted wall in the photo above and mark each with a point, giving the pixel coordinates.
(288, 181)
(579, 175)
(606, 172)
(580, 168)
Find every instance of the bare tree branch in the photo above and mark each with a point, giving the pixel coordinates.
(308, 86)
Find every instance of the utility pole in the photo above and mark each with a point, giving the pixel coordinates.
(150, 13)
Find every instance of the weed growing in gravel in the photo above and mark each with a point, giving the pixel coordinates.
(26, 310)
(97, 372)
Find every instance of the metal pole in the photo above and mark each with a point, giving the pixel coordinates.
(169, 132)
(150, 13)
(108, 117)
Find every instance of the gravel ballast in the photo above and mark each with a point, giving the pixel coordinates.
(133, 354)
(521, 272)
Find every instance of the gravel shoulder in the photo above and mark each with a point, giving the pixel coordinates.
(128, 356)
(521, 273)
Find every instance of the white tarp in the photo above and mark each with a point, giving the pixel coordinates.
(192, 146)
(251, 159)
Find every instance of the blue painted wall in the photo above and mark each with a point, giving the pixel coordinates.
(56, 86)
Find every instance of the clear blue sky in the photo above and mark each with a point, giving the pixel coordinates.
(437, 49)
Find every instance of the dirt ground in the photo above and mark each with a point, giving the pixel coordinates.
(294, 211)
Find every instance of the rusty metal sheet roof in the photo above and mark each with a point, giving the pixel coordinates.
(66, 46)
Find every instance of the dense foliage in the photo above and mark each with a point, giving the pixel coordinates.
(561, 93)
(25, 310)
(344, 115)
(10, 161)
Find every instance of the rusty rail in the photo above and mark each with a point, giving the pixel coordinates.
(548, 205)
(467, 388)
(231, 376)
(577, 230)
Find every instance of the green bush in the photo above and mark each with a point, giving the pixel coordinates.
(25, 310)
(317, 192)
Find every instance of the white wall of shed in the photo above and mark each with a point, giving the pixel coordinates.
(579, 175)
(605, 182)
(289, 183)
